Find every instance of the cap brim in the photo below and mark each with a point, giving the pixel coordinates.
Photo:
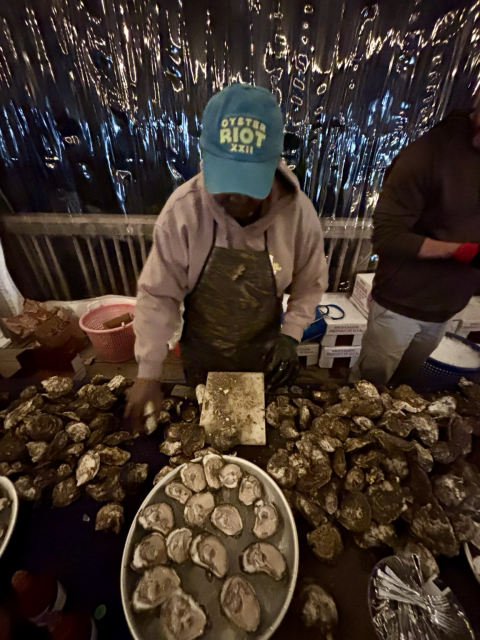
(223, 175)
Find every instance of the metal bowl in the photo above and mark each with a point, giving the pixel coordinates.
(8, 517)
(274, 597)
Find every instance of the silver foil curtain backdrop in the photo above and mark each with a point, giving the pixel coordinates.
(101, 100)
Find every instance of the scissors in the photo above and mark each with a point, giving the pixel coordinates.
(319, 326)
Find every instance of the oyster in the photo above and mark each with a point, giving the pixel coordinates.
(37, 450)
(77, 432)
(28, 393)
(426, 428)
(326, 542)
(449, 489)
(354, 480)
(230, 476)
(377, 535)
(43, 427)
(442, 408)
(164, 471)
(112, 455)
(387, 502)
(288, 430)
(227, 519)
(313, 513)
(266, 520)
(74, 450)
(395, 463)
(339, 463)
(57, 386)
(299, 463)
(198, 508)
(154, 587)
(279, 468)
(133, 475)
(327, 497)
(26, 490)
(45, 477)
(434, 530)
(57, 446)
(305, 417)
(363, 423)
(250, 490)
(355, 512)
(178, 491)
(114, 439)
(178, 545)
(12, 448)
(262, 557)
(101, 398)
(395, 422)
(208, 552)
(64, 471)
(110, 518)
(157, 517)
(107, 486)
(118, 384)
(105, 421)
(193, 477)
(330, 425)
(150, 552)
(192, 439)
(182, 618)
(367, 390)
(171, 447)
(240, 604)
(189, 414)
(272, 416)
(226, 437)
(374, 476)
(212, 465)
(318, 609)
(88, 467)
(65, 492)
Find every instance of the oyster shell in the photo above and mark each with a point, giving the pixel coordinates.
(387, 502)
(330, 425)
(57, 386)
(149, 552)
(178, 545)
(193, 477)
(157, 517)
(395, 463)
(442, 408)
(43, 427)
(113, 456)
(339, 463)
(230, 476)
(263, 557)
(279, 468)
(65, 492)
(171, 447)
(57, 446)
(107, 486)
(182, 618)
(164, 471)
(363, 423)
(178, 491)
(29, 392)
(367, 390)
(227, 519)
(101, 398)
(288, 430)
(88, 467)
(114, 439)
(304, 417)
(374, 476)
(434, 530)
(272, 416)
(198, 508)
(110, 518)
(425, 427)
(208, 552)
(154, 587)
(75, 450)
(192, 439)
(64, 471)
(226, 437)
(77, 432)
(377, 535)
(395, 422)
(212, 465)
(239, 603)
(44, 477)
(26, 490)
(313, 513)
(133, 475)
(318, 609)
(12, 448)
(326, 542)
(266, 520)
(189, 414)
(37, 450)
(355, 512)
(354, 480)
(250, 490)
(118, 384)
(449, 489)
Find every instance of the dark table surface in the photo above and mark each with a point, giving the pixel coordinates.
(64, 543)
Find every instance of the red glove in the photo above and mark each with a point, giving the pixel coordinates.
(468, 252)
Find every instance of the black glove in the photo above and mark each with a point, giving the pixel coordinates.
(282, 362)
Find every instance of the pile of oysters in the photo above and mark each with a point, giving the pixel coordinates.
(389, 466)
(208, 554)
(57, 443)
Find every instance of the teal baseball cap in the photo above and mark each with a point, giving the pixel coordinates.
(241, 141)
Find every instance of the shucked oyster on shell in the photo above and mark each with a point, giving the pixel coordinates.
(266, 520)
(208, 552)
(193, 477)
(230, 476)
(250, 490)
(262, 557)
(178, 545)
(182, 618)
(212, 465)
(178, 491)
(150, 552)
(240, 604)
(157, 517)
(198, 508)
(154, 587)
(227, 519)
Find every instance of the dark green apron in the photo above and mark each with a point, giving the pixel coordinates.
(233, 315)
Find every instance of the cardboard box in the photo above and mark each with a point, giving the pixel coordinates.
(362, 292)
(333, 340)
(353, 322)
(470, 318)
(310, 350)
(329, 354)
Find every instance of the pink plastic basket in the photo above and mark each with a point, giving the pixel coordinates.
(115, 345)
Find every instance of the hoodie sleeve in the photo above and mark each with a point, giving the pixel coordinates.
(310, 273)
(403, 199)
(162, 288)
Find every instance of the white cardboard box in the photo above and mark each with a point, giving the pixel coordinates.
(470, 318)
(353, 322)
(362, 292)
(329, 354)
(310, 350)
(331, 340)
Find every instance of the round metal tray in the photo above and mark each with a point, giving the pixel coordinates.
(8, 517)
(274, 597)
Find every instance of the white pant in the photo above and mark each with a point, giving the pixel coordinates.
(395, 347)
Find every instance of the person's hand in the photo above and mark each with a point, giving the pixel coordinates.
(282, 362)
(468, 252)
(142, 392)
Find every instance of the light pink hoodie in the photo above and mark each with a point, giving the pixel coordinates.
(183, 237)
